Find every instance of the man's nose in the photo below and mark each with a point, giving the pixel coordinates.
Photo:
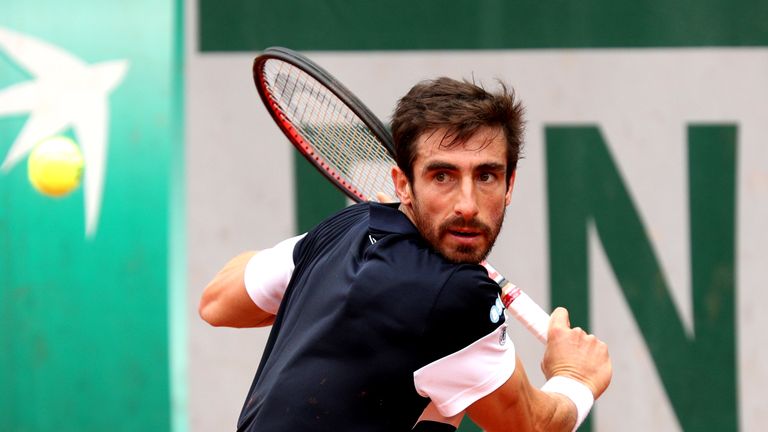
(466, 202)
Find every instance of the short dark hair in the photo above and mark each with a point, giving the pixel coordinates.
(459, 107)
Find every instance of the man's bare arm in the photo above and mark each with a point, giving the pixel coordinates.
(519, 406)
(225, 301)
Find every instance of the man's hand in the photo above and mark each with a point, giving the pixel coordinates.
(384, 198)
(573, 353)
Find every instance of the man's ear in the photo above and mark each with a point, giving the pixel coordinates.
(402, 186)
(508, 196)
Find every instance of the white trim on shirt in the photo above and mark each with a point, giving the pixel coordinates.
(458, 380)
(268, 272)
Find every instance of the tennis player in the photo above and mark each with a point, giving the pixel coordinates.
(383, 320)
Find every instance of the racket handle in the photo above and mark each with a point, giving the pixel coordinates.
(525, 310)
(521, 306)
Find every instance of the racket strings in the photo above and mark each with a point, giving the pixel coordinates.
(332, 133)
(319, 115)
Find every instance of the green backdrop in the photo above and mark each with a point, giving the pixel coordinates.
(84, 320)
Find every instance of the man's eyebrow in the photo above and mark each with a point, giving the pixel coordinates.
(491, 166)
(439, 166)
(445, 166)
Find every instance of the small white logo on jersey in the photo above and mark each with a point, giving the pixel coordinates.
(497, 310)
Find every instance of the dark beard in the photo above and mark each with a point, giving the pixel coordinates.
(461, 254)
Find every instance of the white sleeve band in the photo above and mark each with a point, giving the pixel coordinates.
(268, 272)
(578, 393)
(460, 379)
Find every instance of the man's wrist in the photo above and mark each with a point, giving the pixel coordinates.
(577, 392)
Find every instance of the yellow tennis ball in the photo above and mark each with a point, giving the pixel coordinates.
(55, 166)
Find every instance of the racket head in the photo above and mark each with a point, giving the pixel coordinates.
(328, 124)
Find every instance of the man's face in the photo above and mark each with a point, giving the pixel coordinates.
(458, 195)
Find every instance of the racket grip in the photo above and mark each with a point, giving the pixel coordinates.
(525, 310)
(521, 306)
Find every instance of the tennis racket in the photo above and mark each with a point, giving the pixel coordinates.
(349, 145)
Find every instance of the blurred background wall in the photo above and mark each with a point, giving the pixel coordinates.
(641, 204)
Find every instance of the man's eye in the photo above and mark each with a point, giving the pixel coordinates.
(486, 177)
(441, 177)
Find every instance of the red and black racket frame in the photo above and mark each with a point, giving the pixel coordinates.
(355, 105)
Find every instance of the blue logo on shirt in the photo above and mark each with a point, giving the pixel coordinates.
(496, 311)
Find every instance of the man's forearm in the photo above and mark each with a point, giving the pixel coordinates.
(519, 406)
(225, 301)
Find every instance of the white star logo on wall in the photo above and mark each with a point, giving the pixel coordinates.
(65, 92)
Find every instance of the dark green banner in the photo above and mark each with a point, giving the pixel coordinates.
(245, 25)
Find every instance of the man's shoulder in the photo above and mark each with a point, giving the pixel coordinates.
(408, 260)
(408, 253)
(343, 218)
(353, 211)
(469, 284)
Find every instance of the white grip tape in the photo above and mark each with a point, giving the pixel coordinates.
(529, 314)
(520, 305)
(577, 392)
